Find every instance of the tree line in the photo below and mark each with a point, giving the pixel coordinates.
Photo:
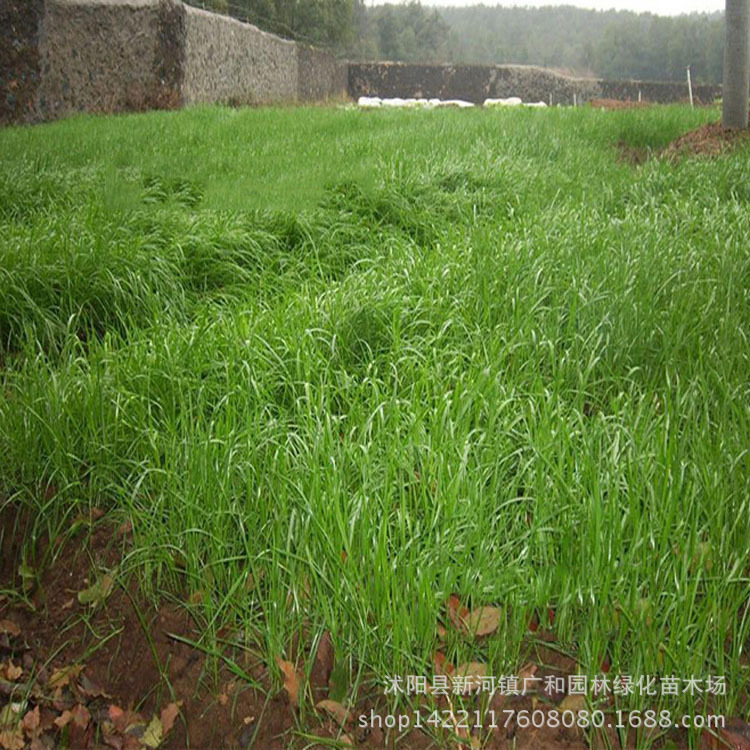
(607, 44)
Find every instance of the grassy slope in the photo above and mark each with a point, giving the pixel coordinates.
(468, 349)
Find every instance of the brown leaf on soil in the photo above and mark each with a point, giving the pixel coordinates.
(90, 688)
(12, 672)
(291, 680)
(12, 739)
(62, 677)
(10, 627)
(31, 721)
(98, 592)
(80, 715)
(573, 703)
(11, 731)
(168, 715)
(442, 665)
(457, 613)
(483, 621)
(335, 710)
(123, 720)
(63, 719)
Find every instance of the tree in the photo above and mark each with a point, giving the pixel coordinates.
(736, 64)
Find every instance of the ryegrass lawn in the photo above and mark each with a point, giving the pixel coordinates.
(374, 359)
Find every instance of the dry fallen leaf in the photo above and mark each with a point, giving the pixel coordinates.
(97, 593)
(122, 720)
(483, 621)
(12, 672)
(90, 688)
(80, 715)
(9, 627)
(62, 677)
(63, 719)
(335, 710)
(442, 666)
(154, 733)
(291, 680)
(456, 612)
(12, 738)
(573, 703)
(31, 721)
(11, 729)
(168, 715)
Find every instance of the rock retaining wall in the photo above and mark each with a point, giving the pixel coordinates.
(58, 57)
(320, 76)
(475, 83)
(20, 22)
(234, 62)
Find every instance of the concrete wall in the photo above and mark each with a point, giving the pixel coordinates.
(475, 83)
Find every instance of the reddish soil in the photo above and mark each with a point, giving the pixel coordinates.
(96, 677)
(708, 140)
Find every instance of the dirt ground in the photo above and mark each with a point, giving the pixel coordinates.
(119, 673)
(707, 141)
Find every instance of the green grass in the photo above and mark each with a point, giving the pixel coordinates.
(471, 350)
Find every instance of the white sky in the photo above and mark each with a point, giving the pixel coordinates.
(661, 7)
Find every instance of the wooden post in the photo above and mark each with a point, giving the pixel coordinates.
(690, 87)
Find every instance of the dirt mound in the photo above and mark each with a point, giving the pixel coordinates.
(708, 140)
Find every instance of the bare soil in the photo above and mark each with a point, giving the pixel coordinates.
(708, 140)
(95, 677)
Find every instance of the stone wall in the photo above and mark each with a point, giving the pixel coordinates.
(475, 83)
(102, 57)
(658, 91)
(59, 57)
(320, 75)
(234, 62)
(20, 22)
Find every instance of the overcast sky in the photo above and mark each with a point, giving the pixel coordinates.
(662, 7)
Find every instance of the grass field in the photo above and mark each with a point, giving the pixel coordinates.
(374, 359)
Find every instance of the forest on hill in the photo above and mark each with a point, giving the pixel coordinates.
(607, 44)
